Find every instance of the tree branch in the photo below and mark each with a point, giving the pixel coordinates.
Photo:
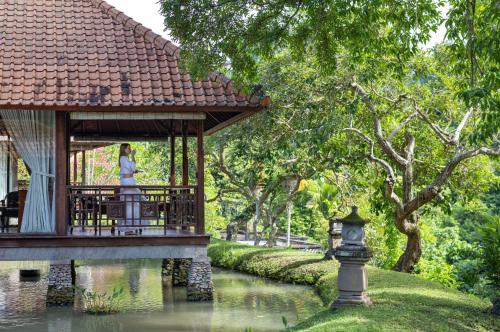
(458, 131)
(220, 163)
(442, 135)
(434, 189)
(384, 144)
(223, 191)
(390, 179)
(400, 126)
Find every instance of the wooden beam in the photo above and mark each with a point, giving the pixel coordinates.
(137, 116)
(172, 158)
(185, 161)
(61, 204)
(134, 109)
(229, 122)
(84, 166)
(200, 222)
(51, 241)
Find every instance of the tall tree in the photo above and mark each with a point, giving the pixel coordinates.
(370, 40)
(404, 117)
(254, 159)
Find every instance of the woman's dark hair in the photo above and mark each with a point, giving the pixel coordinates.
(123, 146)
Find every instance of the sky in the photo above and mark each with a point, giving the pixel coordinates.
(147, 12)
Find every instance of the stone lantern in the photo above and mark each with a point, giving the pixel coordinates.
(352, 255)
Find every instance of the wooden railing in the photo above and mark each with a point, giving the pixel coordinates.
(121, 209)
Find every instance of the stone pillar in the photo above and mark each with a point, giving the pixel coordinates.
(60, 290)
(200, 287)
(352, 277)
(167, 267)
(180, 271)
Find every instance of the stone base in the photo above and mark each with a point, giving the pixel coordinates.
(60, 296)
(352, 278)
(349, 299)
(180, 271)
(61, 280)
(167, 267)
(200, 287)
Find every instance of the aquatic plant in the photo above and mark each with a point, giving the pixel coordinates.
(285, 321)
(96, 303)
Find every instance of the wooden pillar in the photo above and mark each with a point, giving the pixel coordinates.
(84, 167)
(8, 165)
(185, 164)
(200, 223)
(75, 166)
(172, 157)
(61, 162)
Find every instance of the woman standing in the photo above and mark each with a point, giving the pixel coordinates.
(132, 196)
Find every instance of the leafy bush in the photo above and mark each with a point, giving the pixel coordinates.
(490, 245)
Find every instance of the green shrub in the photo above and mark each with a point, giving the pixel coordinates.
(95, 303)
(401, 302)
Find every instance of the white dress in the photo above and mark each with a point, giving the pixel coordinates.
(132, 205)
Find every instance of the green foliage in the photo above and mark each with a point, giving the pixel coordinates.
(96, 303)
(285, 321)
(401, 301)
(245, 32)
(472, 42)
(490, 245)
(279, 264)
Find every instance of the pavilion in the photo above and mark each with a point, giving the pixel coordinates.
(79, 74)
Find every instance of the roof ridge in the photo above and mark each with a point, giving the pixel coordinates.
(164, 44)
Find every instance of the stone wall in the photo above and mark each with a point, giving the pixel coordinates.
(180, 271)
(199, 285)
(61, 280)
(167, 267)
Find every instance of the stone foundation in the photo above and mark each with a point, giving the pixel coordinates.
(167, 267)
(180, 271)
(199, 286)
(61, 280)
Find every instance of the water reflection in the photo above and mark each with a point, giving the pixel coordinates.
(150, 304)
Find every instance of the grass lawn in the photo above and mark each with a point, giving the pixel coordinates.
(401, 302)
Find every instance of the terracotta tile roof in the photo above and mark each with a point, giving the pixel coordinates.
(87, 53)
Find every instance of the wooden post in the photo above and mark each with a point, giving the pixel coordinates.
(200, 223)
(75, 166)
(8, 165)
(185, 164)
(61, 162)
(84, 167)
(172, 157)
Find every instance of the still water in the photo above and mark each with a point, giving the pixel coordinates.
(148, 304)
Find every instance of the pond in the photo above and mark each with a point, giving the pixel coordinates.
(148, 304)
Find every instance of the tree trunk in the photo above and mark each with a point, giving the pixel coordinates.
(272, 233)
(256, 240)
(412, 253)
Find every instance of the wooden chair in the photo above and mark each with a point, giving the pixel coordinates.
(9, 208)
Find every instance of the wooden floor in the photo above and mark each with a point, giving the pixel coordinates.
(150, 236)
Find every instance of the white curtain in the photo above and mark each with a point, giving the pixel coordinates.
(3, 169)
(33, 135)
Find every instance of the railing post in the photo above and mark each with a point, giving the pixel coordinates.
(200, 201)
